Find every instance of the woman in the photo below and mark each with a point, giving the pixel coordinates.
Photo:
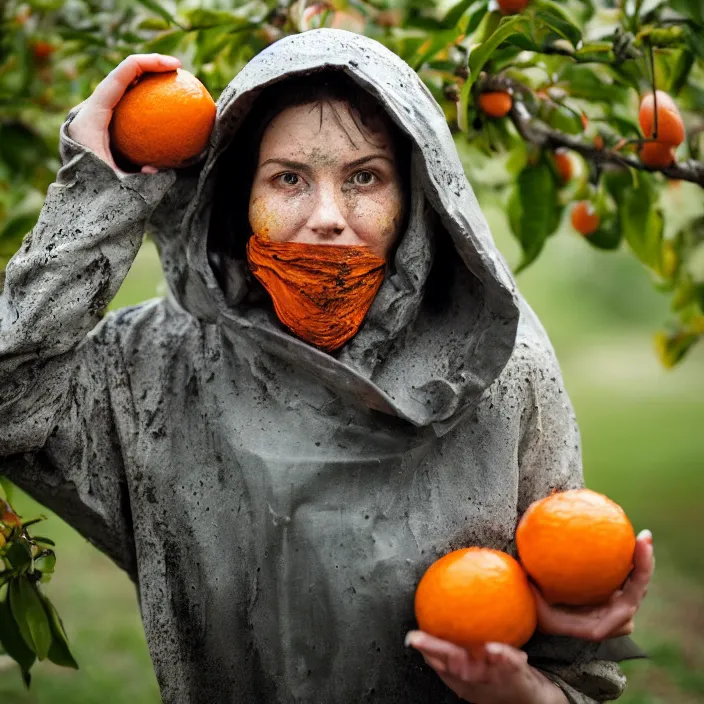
(276, 468)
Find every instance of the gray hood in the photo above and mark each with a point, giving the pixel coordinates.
(395, 363)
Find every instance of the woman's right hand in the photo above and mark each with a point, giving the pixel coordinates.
(90, 125)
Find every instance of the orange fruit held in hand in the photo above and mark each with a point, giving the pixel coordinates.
(474, 596)
(511, 7)
(563, 164)
(670, 124)
(584, 218)
(657, 154)
(495, 103)
(577, 545)
(164, 120)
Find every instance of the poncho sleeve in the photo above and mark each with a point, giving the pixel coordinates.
(550, 457)
(62, 380)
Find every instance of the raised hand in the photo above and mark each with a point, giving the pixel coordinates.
(90, 126)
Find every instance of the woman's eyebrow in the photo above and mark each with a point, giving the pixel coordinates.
(301, 166)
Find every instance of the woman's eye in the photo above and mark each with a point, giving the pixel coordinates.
(290, 179)
(365, 178)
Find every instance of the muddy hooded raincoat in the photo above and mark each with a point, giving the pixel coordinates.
(276, 506)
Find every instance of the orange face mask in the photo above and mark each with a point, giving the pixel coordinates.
(320, 292)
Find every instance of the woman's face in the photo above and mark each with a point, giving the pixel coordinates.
(318, 183)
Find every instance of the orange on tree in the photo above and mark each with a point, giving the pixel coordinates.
(164, 120)
(577, 545)
(657, 154)
(670, 125)
(476, 595)
(585, 219)
(563, 163)
(495, 103)
(42, 50)
(511, 7)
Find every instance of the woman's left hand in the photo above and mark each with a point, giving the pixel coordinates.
(496, 674)
(615, 618)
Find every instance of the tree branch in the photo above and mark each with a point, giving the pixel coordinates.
(540, 134)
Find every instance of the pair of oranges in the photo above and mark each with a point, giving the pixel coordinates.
(576, 545)
(664, 125)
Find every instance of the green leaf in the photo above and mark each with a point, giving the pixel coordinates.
(587, 83)
(13, 643)
(200, 18)
(45, 563)
(534, 210)
(694, 9)
(166, 43)
(454, 14)
(672, 68)
(608, 236)
(507, 27)
(672, 347)
(561, 118)
(59, 653)
(45, 541)
(154, 23)
(30, 615)
(19, 554)
(552, 15)
(158, 9)
(642, 224)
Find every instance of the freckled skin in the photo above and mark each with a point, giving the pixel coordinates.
(325, 200)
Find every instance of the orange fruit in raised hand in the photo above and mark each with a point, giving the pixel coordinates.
(563, 163)
(495, 103)
(164, 120)
(476, 595)
(670, 124)
(657, 154)
(584, 218)
(511, 7)
(577, 545)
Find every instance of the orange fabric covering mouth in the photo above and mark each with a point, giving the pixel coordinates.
(320, 292)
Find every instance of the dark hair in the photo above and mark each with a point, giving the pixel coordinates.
(229, 223)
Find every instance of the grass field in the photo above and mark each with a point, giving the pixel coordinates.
(643, 445)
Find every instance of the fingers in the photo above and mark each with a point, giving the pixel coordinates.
(505, 656)
(485, 665)
(149, 170)
(625, 630)
(114, 85)
(453, 660)
(643, 567)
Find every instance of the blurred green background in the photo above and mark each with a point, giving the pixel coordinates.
(643, 446)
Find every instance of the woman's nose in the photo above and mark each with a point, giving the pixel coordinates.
(327, 219)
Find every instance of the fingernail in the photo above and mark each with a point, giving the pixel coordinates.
(412, 638)
(646, 535)
(494, 648)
